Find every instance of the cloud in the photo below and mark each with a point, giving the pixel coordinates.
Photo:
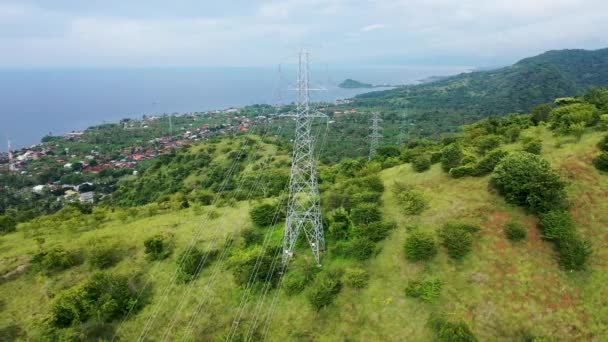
(373, 27)
(65, 33)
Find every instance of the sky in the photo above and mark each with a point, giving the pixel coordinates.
(186, 33)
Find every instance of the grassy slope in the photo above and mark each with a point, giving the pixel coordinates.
(500, 288)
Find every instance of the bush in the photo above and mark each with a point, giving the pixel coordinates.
(421, 163)
(375, 231)
(603, 144)
(446, 331)
(103, 256)
(295, 281)
(192, 261)
(55, 259)
(412, 201)
(420, 246)
(487, 143)
(557, 225)
(157, 247)
(601, 162)
(487, 164)
(573, 253)
(451, 156)
(7, 224)
(244, 269)
(265, 214)
(325, 288)
(526, 179)
(515, 231)
(457, 239)
(358, 248)
(533, 146)
(365, 213)
(463, 171)
(427, 290)
(355, 277)
(104, 297)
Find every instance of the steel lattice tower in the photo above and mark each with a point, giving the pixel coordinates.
(303, 211)
(375, 135)
(11, 162)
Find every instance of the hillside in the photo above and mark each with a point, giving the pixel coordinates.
(416, 244)
(467, 97)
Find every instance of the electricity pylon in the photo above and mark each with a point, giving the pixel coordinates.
(375, 135)
(303, 210)
(11, 162)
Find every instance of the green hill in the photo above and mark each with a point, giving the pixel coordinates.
(422, 244)
(443, 105)
(350, 83)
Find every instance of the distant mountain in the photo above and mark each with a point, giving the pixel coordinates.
(351, 84)
(469, 96)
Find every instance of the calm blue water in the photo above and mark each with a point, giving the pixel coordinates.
(34, 102)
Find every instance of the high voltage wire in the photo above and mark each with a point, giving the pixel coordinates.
(195, 239)
(223, 254)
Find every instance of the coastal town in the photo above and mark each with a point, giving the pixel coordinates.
(65, 167)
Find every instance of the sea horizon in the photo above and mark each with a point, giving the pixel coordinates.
(41, 101)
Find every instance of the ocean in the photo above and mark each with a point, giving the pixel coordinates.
(36, 102)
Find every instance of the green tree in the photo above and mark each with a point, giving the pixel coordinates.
(420, 246)
(7, 224)
(451, 156)
(541, 113)
(528, 180)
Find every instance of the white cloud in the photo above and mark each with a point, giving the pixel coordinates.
(337, 29)
(373, 27)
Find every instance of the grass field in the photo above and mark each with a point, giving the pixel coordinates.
(505, 291)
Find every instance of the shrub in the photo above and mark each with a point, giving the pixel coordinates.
(157, 247)
(244, 269)
(362, 249)
(573, 253)
(420, 246)
(487, 164)
(603, 144)
(427, 289)
(103, 256)
(515, 231)
(564, 117)
(295, 281)
(104, 297)
(265, 214)
(340, 226)
(421, 163)
(463, 171)
(557, 225)
(457, 239)
(375, 231)
(365, 213)
(451, 156)
(7, 224)
(533, 146)
(541, 113)
(526, 179)
(55, 259)
(487, 143)
(358, 248)
(192, 261)
(324, 289)
(412, 201)
(601, 162)
(355, 277)
(446, 331)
